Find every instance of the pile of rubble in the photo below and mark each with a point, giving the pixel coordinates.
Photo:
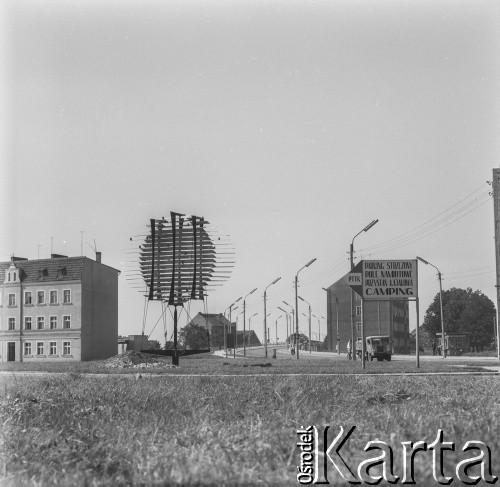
(135, 360)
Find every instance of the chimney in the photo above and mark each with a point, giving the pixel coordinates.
(98, 257)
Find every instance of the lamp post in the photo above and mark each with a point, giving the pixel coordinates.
(265, 314)
(276, 329)
(319, 326)
(244, 321)
(287, 334)
(297, 300)
(230, 307)
(292, 317)
(353, 343)
(235, 327)
(443, 350)
(250, 328)
(337, 305)
(309, 304)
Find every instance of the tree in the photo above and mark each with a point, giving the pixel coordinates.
(303, 340)
(425, 339)
(194, 337)
(464, 311)
(154, 344)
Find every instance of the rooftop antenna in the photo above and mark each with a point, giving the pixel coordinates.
(38, 251)
(94, 248)
(81, 242)
(51, 245)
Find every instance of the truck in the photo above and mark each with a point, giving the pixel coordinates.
(378, 347)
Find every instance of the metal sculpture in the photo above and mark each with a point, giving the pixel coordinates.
(181, 260)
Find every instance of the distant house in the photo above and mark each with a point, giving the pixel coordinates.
(215, 324)
(58, 309)
(251, 339)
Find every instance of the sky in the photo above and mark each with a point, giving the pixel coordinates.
(289, 125)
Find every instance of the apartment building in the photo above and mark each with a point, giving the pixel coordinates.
(58, 309)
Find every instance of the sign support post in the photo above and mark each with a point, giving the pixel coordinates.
(417, 342)
(363, 344)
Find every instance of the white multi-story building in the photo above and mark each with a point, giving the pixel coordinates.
(58, 309)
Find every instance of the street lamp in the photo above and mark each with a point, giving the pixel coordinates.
(319, 325)
(230, 323)
(292, 318)
(337, 303)
(309, 304)
(287, 334)
(297, 301)
(443, 351)
(244, 320)
(276, 329)
(250, 328)
(265, 314)
(353, 343)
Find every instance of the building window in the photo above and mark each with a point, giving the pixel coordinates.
(67, 296)
(358, 327)
(66, 348)
(53, 322)
(40, 322)
(27, 297)
(27, 322)
(40, 297)
(39, 348)
(53, 297)
(52, 348)
(12, 323)
(27, 348)
(66, 322)
(12, 299)
(358, 310)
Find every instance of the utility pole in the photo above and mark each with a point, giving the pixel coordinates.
(496, 211)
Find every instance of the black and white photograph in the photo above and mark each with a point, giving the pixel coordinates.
(249, 242)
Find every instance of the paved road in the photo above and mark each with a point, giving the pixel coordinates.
(282, 351)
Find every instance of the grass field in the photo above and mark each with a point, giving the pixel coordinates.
(210, 365)
(77, 430)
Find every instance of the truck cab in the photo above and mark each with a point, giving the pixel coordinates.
(378, 347)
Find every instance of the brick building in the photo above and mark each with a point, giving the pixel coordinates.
(58, 309)
(390, 318)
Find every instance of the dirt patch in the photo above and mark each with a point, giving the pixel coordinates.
(135, 360)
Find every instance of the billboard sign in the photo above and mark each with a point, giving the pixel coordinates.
(389, 279)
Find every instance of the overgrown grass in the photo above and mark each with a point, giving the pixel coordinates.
(212, 365)
(76, 430)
